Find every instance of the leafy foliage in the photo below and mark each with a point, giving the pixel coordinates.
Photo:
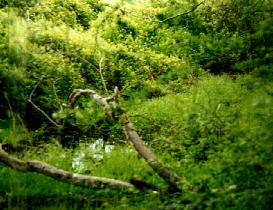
(198, 87)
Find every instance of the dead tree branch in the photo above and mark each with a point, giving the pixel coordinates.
(169, 176)
(183, 13)
(62, 175)
(38, 108)
(79, 57)
(101, 75)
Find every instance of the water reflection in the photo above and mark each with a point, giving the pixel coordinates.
(86, 152)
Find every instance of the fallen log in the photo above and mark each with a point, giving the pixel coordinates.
(62, 175)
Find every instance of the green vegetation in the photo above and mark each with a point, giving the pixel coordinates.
(197, 86)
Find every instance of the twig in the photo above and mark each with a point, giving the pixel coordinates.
(137, 115)
(39, 109)
(14, 116)
(10, 107)
(56, 95)
(101, 75)
(181, 14)
(84, 60)
(9, 104)
(79, 57)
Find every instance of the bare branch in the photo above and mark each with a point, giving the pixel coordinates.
(10, 107)
(39, 109)
(181, 14)
(43, 112)
(79, 57)
(62, 175)
(56, 94)
(101, 75)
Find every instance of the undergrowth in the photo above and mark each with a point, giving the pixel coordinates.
(217, 135)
